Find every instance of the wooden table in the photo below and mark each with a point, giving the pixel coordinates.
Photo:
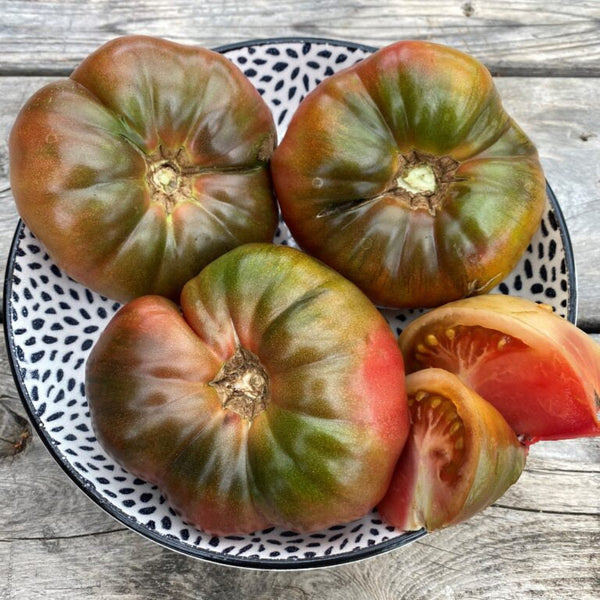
(542, 539)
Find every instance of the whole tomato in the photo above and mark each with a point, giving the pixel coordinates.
(275, 396)
(405, 174)
(144, 165)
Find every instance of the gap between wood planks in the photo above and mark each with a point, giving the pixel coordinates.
(495, 70)
(542, 511)
(61, 537)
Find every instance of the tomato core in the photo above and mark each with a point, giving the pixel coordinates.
(463, 348)
(422, 180)
(166, 179)
(419, 179)
(439, 432)
(242, 384)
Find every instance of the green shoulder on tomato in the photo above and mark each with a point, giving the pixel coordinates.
(405, 174)
(275, 396)
(144, 165)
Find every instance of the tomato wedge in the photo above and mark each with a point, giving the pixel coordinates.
(461, 455)
(538, 369)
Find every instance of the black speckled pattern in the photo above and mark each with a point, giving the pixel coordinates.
(52, 322)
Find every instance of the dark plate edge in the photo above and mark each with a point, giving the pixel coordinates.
(569, 257)
(293, 40)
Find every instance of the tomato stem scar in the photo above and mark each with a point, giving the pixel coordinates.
(419, 179)
(166, 180)
(242, 384)
(422, 180)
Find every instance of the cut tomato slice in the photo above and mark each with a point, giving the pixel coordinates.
(461, 455)
(538, 369)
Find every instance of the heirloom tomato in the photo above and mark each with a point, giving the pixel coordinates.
(538, 369)
(274, 397)
(461, 455)
(144, 165)
(405, 174)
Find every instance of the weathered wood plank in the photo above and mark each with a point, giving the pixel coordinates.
(517, 36)
(561, 116)
(493, 556)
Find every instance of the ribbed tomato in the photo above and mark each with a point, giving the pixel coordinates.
(460, 456)
(144, 165)
(274, 397)
(405, 174)
(538, 369)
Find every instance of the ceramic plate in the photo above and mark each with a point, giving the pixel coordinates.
(52, 323)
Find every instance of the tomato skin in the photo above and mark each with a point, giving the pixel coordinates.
(144, 165)
(538, 369)
(336, 171)
(323, 450)
(492, 459)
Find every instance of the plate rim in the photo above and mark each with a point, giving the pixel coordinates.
(293, 40)
(90, 490)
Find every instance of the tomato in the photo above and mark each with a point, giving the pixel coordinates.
(274, 397)
(405, 174)
(460, 456)
(538, 369)
(144, 165)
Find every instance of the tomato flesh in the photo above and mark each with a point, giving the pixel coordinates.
(436, 449)
(537, 369)
(438, 432)
(461, 455)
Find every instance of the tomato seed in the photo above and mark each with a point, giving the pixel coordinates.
(421, 395)
(432, 340)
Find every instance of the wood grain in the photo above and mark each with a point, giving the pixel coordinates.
(513, 37)
(559, 117)
(480, 560)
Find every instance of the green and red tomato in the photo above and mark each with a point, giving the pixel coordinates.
(275, 396)
(405, 173)
(147, 163)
